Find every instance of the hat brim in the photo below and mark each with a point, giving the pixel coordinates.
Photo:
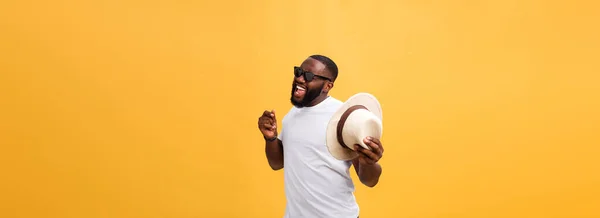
(335, 148)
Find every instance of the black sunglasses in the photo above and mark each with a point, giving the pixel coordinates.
(308, 76)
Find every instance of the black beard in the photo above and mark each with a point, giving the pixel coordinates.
(309, 96)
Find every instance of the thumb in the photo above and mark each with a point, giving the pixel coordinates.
(273, 120)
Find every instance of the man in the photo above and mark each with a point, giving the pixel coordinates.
(316, 184)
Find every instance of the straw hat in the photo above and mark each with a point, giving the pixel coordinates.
(360, 116)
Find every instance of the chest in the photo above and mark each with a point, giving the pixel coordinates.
(306, 131)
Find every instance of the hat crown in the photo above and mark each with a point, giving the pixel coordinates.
(357, 118)
(361, 123)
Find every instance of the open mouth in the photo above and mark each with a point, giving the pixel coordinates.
(299, 92)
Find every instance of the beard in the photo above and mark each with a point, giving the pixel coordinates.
(309, 96)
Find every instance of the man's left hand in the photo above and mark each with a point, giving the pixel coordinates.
(367, 156)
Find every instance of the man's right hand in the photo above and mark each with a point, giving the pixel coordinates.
(267, 124)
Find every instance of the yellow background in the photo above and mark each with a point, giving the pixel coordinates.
(148, 108)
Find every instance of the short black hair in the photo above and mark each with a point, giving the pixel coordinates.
(329, 64)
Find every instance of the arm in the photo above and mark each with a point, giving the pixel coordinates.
(366, 164)
(274, 151)
(367, 173)
(273, 146)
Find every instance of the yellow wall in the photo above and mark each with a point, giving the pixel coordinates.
(123, 108)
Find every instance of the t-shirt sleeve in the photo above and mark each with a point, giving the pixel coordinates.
(279, 135)
(280, 131)
(281, 127)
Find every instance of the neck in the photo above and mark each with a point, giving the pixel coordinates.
(318, 100)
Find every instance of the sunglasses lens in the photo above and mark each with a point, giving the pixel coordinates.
(308, 76)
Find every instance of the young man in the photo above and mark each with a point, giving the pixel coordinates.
(316, 184)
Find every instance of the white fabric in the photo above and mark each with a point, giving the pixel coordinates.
(359, 124)
(316, 184)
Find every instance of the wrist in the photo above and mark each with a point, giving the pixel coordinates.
(270, 139)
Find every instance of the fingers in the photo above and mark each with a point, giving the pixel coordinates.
(269, 114)
(374, 144)
(369, 155)
(374, 140)
(364, 159)
(266, 123)
(372, 155)
(267, 120)
(269, 126)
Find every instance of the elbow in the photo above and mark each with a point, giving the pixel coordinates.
(276, 167)
(370, 184)
(369, 176)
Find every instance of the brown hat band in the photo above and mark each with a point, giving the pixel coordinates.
(342, 121)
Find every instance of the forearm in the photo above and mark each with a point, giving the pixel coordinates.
(369, 174)
(274, 152)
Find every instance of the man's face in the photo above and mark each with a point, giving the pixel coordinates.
(304, 92)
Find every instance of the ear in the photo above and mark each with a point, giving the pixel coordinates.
(328, 86)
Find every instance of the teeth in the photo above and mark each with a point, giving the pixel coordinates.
(298, 87)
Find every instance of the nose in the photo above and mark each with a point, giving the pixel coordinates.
(299, 79)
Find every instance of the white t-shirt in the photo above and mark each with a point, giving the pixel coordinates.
(316, 184)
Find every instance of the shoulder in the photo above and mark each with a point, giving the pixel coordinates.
(289, 113)
(333, 103)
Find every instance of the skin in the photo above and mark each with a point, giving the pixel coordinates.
(366, 164)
